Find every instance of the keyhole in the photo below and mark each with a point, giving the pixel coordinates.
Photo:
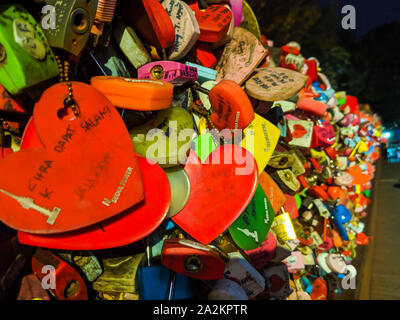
(71, 289)
(157, 72)
(193, 263)
(66, 113)
(80, 21)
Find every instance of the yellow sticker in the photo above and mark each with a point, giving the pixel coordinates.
(260, 139)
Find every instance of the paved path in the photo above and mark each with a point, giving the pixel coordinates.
(379, 276)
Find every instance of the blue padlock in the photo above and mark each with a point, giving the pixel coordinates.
(341, 215)
(155, 284)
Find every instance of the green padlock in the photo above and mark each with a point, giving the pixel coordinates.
(251, 228)
(26, 58)
(165, 139)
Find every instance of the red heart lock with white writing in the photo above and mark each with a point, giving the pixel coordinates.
(86, 172)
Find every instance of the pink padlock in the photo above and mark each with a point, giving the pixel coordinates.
(327, 245)
(325, 134)
(237, 9)
(294, 262)
(170, 71)
(263, 254)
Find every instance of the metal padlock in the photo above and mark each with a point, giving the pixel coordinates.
(74, 20)
(26, 58)
(225, 289)
(119, 274)
(193, 259)
(286, 180)
(301, 131)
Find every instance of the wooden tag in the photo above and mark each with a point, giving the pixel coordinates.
(273, 84)
(186, 27)
(86, 172)
(240, 57)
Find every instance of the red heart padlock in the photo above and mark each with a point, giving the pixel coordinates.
(86, 172)
(220, 190)
(232, 107)
(214, 23)
(125, 228)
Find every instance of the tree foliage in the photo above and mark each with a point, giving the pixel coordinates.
(368, 68)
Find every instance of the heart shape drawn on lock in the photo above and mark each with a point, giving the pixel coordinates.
(221, 188)
(86, 172)
(299, 131)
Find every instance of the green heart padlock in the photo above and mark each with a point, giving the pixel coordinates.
(251, 228)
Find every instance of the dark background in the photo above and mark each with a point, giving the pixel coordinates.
(364, 62)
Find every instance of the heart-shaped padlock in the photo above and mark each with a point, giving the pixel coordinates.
(223, 175)
(86, 172)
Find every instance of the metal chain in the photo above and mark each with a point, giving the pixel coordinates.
(64, 77)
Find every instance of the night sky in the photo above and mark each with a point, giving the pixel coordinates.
(370, 13)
